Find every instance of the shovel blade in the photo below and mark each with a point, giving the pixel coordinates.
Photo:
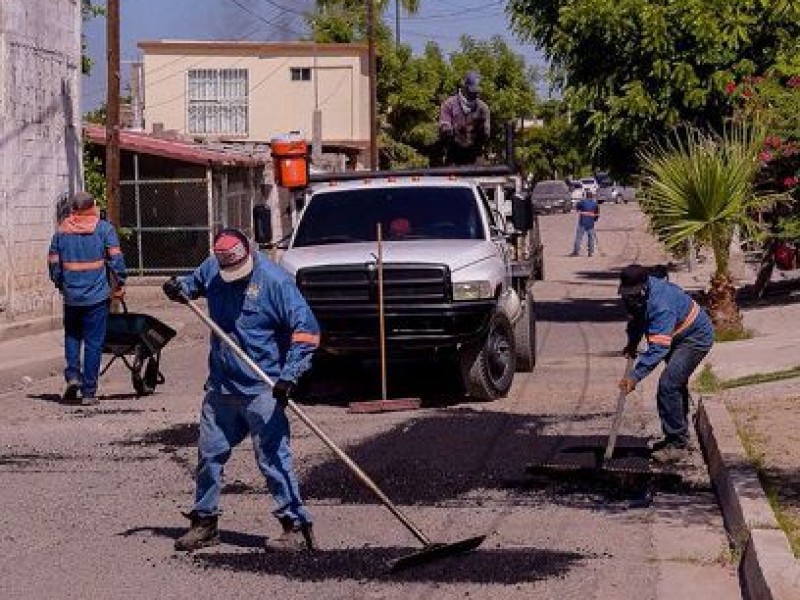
(435, 551)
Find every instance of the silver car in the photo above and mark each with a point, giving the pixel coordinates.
(551, 196)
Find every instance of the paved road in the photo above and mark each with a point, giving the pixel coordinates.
(90, 497)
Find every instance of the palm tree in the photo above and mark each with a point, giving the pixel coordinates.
(699, 187)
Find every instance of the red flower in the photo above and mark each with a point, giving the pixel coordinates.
(765, 156)
(790, 182)
(730, 88)
(747, 93)
(794, 82)
(772, 141)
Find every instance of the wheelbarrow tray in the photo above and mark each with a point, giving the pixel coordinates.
(128, 332)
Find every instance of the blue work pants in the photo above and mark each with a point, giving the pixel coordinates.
(84, 326)
(225, 421)
(579, 232)
(673, 389)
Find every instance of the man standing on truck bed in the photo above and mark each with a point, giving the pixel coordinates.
(464, 123)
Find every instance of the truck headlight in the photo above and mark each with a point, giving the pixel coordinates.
(472, 290)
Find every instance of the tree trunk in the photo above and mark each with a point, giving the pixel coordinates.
(722, 305)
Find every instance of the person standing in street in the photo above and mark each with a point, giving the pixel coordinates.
(588, 212)
(84, 255)
(259, 306)
(464, 123)
(679, 333)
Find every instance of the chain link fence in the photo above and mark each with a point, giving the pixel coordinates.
(165, 222)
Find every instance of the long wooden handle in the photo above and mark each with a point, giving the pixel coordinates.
(612, 436)
(381, 318)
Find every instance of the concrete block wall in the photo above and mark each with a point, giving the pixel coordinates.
(40, 158)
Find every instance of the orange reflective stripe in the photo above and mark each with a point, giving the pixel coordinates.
(695, 310)
(306, 338)
(53, 258)
(587, 214)
(89, 265)
(114, 250)
(661, 340)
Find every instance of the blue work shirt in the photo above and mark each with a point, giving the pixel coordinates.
(671, 317)
(81, 251)
(588, 213)
(268, 318)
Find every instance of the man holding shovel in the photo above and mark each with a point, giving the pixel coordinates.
(678, 332)
(257, 304)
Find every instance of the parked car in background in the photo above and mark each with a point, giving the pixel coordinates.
(551, 196)
(576, 191)
(589, 184)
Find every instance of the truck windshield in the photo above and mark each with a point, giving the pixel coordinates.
(405, 214)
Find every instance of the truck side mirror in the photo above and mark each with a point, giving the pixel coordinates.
(521, 213)
(262, 224)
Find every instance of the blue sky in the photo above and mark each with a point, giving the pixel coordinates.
(440, 20)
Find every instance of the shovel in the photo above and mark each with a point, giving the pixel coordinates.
(430, 550)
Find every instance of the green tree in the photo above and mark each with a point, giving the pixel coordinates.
(344, 21)
(699, 186)
(89, 10)
(631, 70)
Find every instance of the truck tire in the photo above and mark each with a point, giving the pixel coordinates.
(525, 337)
(488, 365)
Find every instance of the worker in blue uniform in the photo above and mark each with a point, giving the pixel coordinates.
(588, 212)
(86, 265)
(679, 333)
(259, 306)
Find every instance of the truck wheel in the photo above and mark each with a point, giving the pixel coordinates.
(525, 337)
(487, 366)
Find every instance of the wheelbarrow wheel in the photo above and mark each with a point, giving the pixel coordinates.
(152, 374)
(140, 385)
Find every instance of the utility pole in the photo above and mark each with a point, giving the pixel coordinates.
(397, 23)
(373, 95)
(112, 112)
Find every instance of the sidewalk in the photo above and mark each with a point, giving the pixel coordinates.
(28, 358)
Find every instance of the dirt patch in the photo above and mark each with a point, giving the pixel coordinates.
(23, 459)
(769, 427)
(175, 436)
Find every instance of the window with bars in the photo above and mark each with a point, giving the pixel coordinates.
(218, 101)
(300, 73)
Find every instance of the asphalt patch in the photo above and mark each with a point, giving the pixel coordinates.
(84, 414)
(483, 566)
(175, 436)
(431, 459)
(31, 459)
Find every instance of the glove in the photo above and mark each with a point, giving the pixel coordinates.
(630, 351)
(174, 290)
(283, 391)
(627, 385)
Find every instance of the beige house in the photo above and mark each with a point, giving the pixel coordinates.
(250, 92)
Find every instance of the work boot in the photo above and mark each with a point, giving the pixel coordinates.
(670, 450)
(70, 395)
(202, 532)
(296, 537)
(88, 400)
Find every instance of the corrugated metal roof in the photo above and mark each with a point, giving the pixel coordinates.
(190, 152)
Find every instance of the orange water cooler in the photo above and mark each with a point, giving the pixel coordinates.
(290, 160)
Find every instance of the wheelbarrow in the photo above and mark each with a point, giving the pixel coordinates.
(137, 339)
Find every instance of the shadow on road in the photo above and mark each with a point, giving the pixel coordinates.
(575, 310)
(490, 566)
(233, 538)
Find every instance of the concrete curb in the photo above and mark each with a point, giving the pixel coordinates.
(769, 570)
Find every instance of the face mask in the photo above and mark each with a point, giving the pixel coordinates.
(635, 304)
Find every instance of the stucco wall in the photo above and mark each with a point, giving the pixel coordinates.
(39, 144)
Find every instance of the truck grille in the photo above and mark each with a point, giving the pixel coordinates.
(406, 283)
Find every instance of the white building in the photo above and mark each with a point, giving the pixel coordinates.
(40, 57)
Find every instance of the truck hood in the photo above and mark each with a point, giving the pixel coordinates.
(457, 254)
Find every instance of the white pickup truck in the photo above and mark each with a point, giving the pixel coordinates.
(459, 258)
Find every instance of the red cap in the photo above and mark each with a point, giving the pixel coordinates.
(233, 253)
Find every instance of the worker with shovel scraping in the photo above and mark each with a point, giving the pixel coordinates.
(257, 304)
(678, 332)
